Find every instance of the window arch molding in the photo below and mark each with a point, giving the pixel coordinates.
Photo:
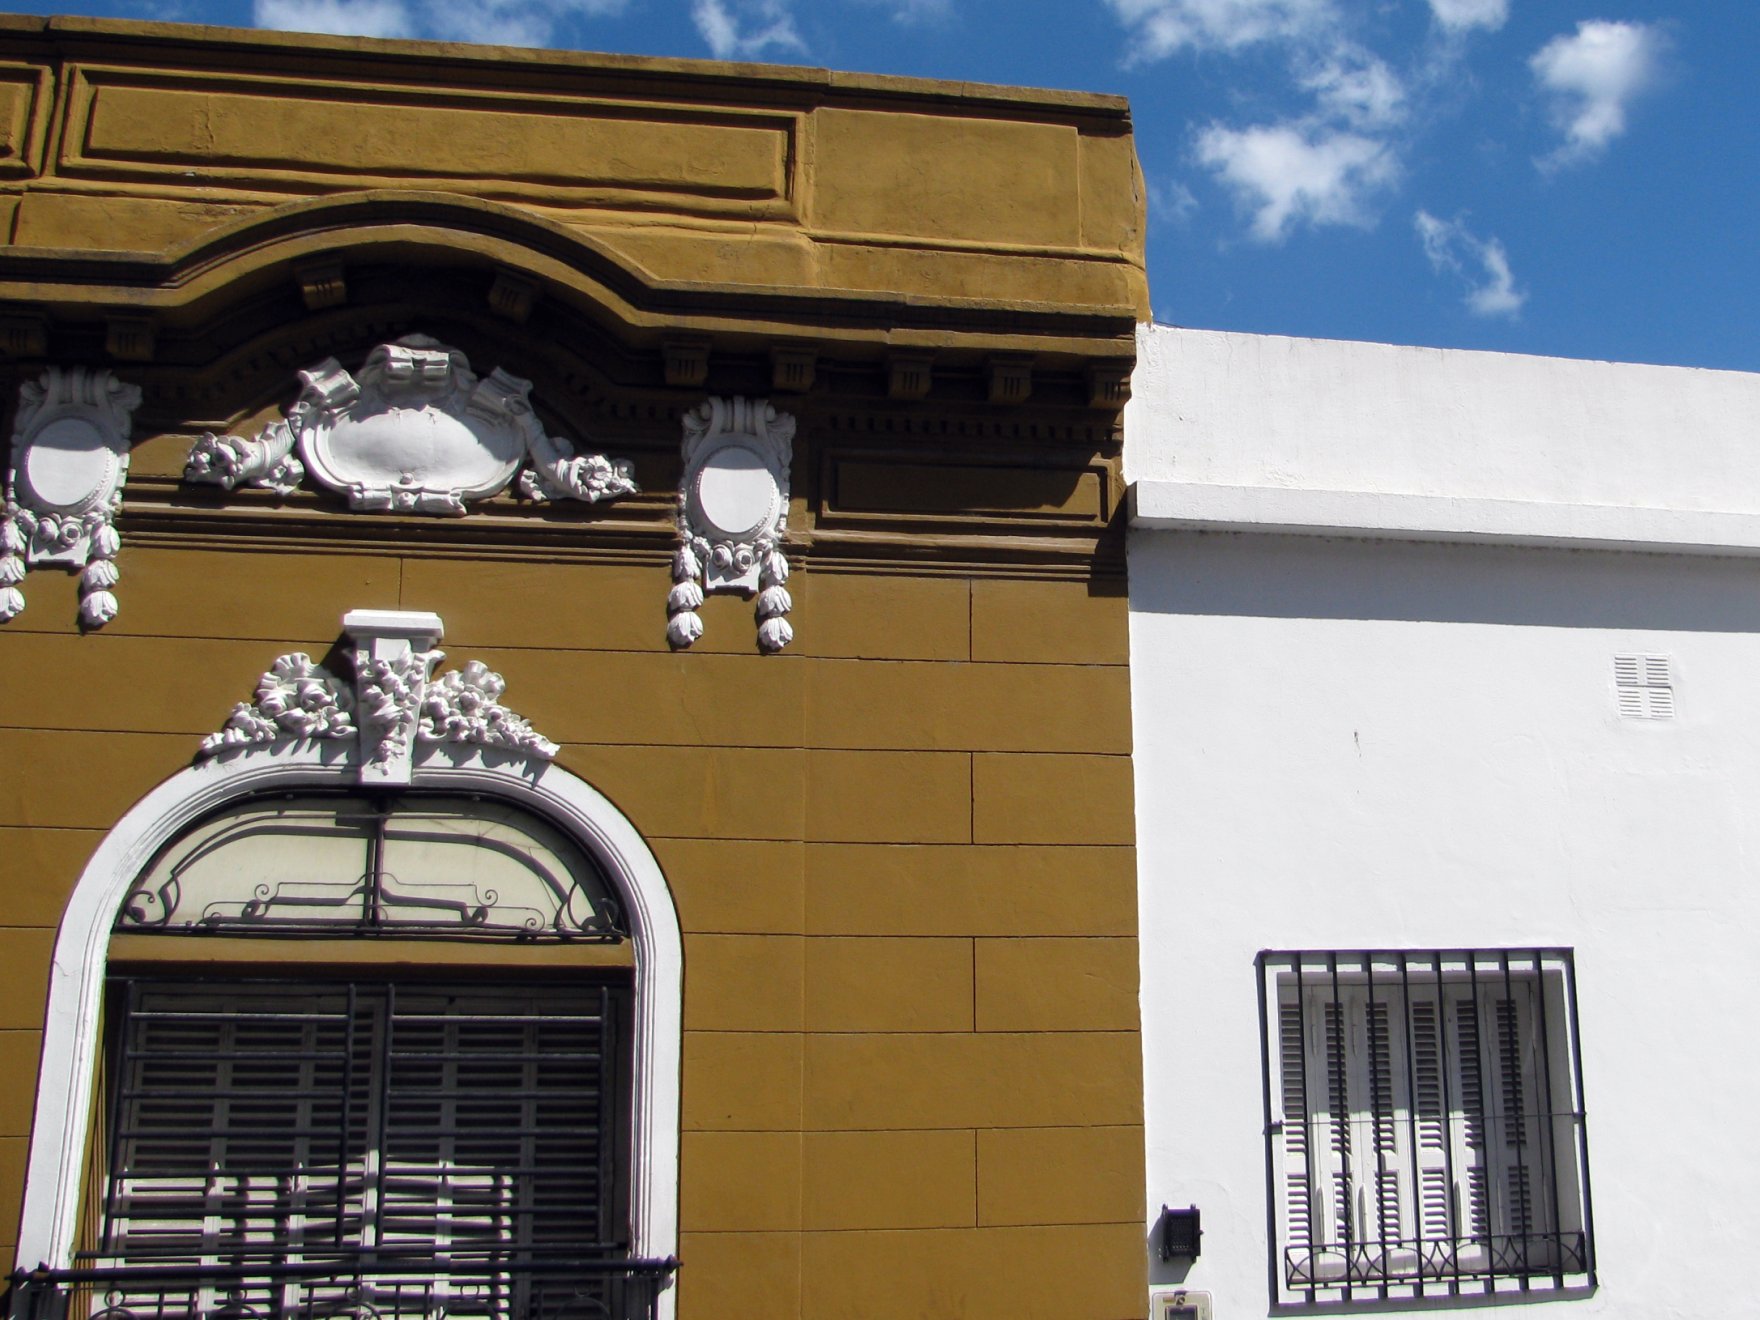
(77, 974)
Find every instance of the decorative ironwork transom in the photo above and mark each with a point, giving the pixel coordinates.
(386, 864)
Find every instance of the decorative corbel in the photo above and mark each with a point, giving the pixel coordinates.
(64, 486)
(1109, 385)
(394, 656)
(908, 375)
(792, 369)
(512, 297)
(322, 285)
(1011, 379)
(733, 511)
(24, 336)
(129, 339)
(686, 362)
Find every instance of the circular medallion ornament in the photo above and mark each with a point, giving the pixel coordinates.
(733, 510)
(69, 465)
(734, 495)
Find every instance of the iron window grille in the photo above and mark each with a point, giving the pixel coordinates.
(359, 1148)
(1424, 1125)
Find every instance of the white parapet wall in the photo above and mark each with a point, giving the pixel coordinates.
(1438, 650)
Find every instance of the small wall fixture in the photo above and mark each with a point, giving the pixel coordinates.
(1180, 1233)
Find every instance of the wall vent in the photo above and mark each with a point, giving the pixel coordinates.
(1643, 686)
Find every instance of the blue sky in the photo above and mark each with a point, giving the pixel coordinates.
(1568, 177)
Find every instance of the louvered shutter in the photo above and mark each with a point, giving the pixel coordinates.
(1473, 1151)
(1320, 1074)
(1304, 1225)
(231, 1135)
(1337, 1167)
(262, 1124)
(1522, 1213)
(1368, 1102)
(1386, 1158)
(1430, 1123)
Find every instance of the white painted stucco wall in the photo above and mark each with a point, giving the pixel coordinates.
(1374, 741)
(1313, 414)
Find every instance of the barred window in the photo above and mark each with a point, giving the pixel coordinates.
(1425, 1128)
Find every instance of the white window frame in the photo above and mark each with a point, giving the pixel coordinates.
(60, 1129)
(1440, 1128)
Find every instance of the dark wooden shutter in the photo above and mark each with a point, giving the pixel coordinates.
(270, 1122)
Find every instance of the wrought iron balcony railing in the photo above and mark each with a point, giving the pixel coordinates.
(369, 1286)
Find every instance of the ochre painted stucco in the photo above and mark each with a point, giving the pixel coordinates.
(901, 850)
(132, 137)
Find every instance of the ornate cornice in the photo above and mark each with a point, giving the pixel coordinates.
(408, 227)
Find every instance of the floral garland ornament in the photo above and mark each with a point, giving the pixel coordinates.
(733, 512)
(70, 451)
(394, 705)
(297, 698)
(465, 706)
(414, 431)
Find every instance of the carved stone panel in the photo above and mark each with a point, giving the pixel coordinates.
(733, 511)
(64, 485)
(415, 431)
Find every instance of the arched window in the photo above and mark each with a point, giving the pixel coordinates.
(323, 1049)
(390, 864)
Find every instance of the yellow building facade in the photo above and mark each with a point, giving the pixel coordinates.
(748, 439)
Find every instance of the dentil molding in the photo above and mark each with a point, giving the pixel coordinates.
(393, 705)
(64, 485)
(733, 511)
(416, 431)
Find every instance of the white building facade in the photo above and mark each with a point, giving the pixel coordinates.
(1446, 683)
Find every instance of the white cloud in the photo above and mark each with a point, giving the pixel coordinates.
(1171, 202)
(1358, 88)
(1451, 246)
(1292, 173)
(1460, 15)
(746, 29)
(344, 18)
(1160, 28)
(912, 13)
(1592, 77)
(500, 22)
